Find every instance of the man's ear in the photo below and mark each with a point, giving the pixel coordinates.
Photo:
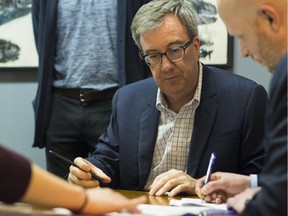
(271, 15)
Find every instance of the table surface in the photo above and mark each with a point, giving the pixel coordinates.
(154, 200)
(26, 209)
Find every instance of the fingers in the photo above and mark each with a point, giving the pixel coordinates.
(211, 191)
(101, 174)
(198, 187)
(211, 187)
(83, 164)
(81, 178)
(160, 185)
(133, 203)
(80, 174)
(172, 182)
(239, 201)
(221, 197)
(89, 167)
(104, 200)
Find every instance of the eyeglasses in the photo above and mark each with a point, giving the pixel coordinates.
(174, 54)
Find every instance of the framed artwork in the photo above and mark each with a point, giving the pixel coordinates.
(18, 51)
(17, 46)
(216, 46)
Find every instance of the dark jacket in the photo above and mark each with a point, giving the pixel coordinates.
(229, 121)
(44, 14)
(272, 199)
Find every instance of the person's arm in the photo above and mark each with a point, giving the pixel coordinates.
(42, 183)
(48, 190)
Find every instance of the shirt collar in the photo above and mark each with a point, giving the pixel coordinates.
(161, 102)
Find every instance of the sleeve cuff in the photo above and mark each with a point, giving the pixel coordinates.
(253, 180)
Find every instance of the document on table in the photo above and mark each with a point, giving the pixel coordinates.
(197, 202)
(160, 210)
(185, 206)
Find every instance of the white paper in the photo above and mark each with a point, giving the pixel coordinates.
(197, 202)
(160, 210)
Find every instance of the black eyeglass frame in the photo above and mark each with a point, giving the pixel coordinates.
(184, 47)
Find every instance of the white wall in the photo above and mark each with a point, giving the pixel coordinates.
(248, 68)
(17, 90)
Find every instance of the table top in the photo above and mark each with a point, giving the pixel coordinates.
(154, 200)
(21, 209)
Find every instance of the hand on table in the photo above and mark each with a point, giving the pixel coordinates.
(82, 176)
(173, 182)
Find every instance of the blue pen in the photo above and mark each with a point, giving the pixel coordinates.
(210, 166)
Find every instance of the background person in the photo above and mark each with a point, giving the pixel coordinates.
(86, 53)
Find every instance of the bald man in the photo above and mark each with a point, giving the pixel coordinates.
(261, 26)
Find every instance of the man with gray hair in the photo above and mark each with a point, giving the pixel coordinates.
(163, 129)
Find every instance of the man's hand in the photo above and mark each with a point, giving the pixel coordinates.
(82, 176)
(173, 182)
(239, 201)
(221, 186)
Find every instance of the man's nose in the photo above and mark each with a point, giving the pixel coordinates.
(166, 62)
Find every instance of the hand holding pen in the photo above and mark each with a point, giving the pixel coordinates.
(83, 173)
(200, 184)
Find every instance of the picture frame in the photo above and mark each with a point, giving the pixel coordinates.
(18, 51)
(17, 44)
(216, 46)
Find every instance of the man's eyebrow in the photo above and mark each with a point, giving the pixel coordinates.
(169, 45)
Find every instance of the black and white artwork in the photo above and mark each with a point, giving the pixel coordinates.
(215, 44)
(17, 47)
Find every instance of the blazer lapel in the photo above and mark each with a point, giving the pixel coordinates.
(204, 120)
(148, 135)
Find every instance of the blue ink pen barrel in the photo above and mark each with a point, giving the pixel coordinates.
(210, 167)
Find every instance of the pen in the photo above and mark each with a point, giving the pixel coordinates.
(210, 166)
(73, 164)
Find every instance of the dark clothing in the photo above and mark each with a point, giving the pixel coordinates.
(44, 13)
(55, 126)
(272, 199)
(82, 121)
(15, 175)
(229, 121)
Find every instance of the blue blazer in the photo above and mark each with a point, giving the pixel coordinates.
(228, 121)
(272, 199)
(44, 15)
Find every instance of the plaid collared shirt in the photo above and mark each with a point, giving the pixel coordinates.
(174, 134)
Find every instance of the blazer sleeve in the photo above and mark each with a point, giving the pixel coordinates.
(272, 199)
(106, 154)
(252, 159)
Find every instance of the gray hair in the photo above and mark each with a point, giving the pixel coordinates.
(151, 15)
